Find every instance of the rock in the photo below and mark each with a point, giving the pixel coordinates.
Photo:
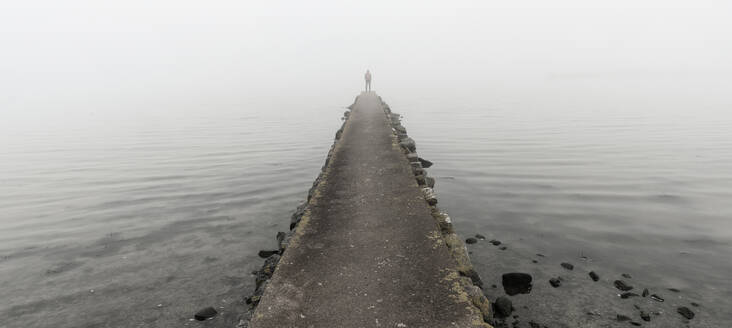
(479, 236)
(474, 277)
(495, 242)
(516, 283)
(621, 317)
(502, 307)
(685, 312)
(471, 240)
(555, 282)
(265, 254)
(619, 284)
(645, 316)
(567, 266)
(503, 248)
(429, 196)
(430, 181)
(645, 292)
(625, 275)
(408, 144)
(674, 290)
(628, 295)
(657, 298)
(205, 313)
(594, 276)
(425, 163)
(534, 261)
(695, 304)
(413, 158)
(539, 255)
(635, 323)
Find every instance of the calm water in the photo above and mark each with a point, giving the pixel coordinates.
(122, 222)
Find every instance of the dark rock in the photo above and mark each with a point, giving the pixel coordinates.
(625, 275)
(674, 290)
(502, 307)
(534, 261)
(494, 286)
(695, 304)
(657, 298)
(539, 255)
(265, 254)
(628, 295)
(645, 292)
(471, 240)
(474, 277)
(555, 282)
(685, 312)
(205, 313)
(495, 242)
(635, 323)
(621, 317)
(408, 144)
(430, 181)
(503, 248)
(567, 266)
(479, 236)
(594, 276)
(645, 316)
(619, 284)
(516, 283)
(425, 163)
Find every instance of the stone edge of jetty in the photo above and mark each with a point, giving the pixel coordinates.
(469, 285)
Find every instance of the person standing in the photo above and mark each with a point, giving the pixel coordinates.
(368, 80)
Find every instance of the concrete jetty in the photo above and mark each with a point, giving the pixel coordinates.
(370, 248)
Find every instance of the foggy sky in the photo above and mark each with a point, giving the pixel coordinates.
(140, 56)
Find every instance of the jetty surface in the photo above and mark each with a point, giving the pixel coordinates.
(368, 251)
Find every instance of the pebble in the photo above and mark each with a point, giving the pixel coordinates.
(567, 266)
(205, 313)
(503, 248)
(674, 290)
(471, 240)
(594, 276)
(645, 316)
(657, 298)
(619, 284)
(534, 261)
(539, 255)
(627, 295)
(479, 236)
(555, 282)
(645, 292)
(516, 283)
(685, 312)
(502, 307)
(695, 304)
(495, 242)
(625, 275)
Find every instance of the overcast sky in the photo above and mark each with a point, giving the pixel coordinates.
(141, 55)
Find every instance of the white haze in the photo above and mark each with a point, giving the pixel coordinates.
(63, 61)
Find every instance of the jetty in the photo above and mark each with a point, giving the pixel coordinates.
(370, 247)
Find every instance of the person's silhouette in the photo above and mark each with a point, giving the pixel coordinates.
(367, 77)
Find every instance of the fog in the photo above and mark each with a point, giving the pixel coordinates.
(127, 58)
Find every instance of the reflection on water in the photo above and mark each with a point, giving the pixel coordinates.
(132, 224)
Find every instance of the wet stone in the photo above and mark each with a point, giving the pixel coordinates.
(555, 282)
(495, 242)
(619, 284)
(657, 298)
(625, 275)
(645, 292)
(425, 163)
(645, 316)
(628, 295)
(502, 307)
(621, 317)
(479, 236)
(471, 240)
(516, 283)
(674, 290)
(685, 312)
(567, 266)
(205, 313)
(503, 248)
(594, 276)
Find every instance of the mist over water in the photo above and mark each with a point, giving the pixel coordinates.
(148, 150)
